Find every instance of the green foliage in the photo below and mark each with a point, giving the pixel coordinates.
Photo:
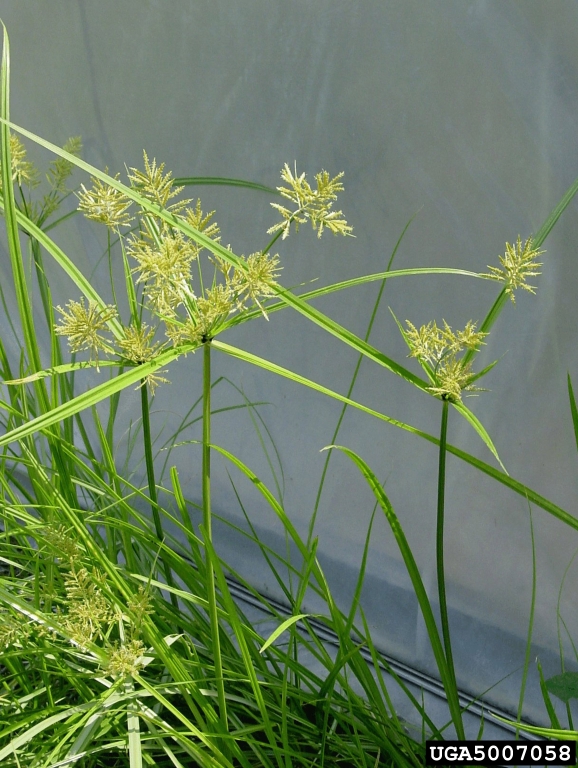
(564, 686)
(120, 641)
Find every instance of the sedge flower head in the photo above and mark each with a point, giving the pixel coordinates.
(204, 316)
(127, 658)
(139, 607)
(23, 171)
(62, 543)
(203, 222)
(258, 279)
(89, 611)
(60, 168)
(138, 347)
(14, 630)
(105, 204)
(213, 307)
(82, 325)
(518, 263)
(439, 350)
(165, 268)
(156, 186)
(312, 205)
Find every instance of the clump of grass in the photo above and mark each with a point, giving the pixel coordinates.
(121, 641)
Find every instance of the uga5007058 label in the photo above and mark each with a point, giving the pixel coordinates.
(500, 753)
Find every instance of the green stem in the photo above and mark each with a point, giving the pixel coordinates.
(441, 579)
(150, 467)
(208, 532)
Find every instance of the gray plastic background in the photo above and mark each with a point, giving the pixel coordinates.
(464, 113)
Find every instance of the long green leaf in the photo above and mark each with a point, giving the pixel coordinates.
(222, 181)
(281, 628)
(16, 260)
(24, 738)
(573, 409)
(82, 283)
(554, 215)
(520, 488)
(480, 429)
(64, 368)
(417, 583)
(93, 396)
(355, 281)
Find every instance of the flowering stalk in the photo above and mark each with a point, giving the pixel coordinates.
(208, 532)
(440, 567)
(150, 467)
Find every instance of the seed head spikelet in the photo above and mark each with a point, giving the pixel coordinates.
(518, 264)
(313, 205)
(23, 171)
(60, 168)
(82, 326)
(105, 204)
(202, 221)
(137, 346)
(156, 187)
(257, 280)
(164, 268)
(89, 612)
(126, 659)
(439, 348)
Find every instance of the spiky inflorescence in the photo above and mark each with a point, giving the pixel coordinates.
(126, 659)
(57, 175)
(313, 205)
(164, 259)
(89, 612)
(257, 281)
(82, 326)
(60, 168)
(156, 187)
(138, 347)
(23, 171)
(164, 268)
(202, 221)
(518, 264)
(439, 348)
(15, 629)
(105, 204)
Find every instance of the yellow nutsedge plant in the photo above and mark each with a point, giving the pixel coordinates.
(167, 279)
(445, 355)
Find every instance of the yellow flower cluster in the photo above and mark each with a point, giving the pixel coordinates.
(312, 205)
(165, 260)
(438, 350)
(518, 263)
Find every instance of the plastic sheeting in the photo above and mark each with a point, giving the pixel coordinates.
(462, 113)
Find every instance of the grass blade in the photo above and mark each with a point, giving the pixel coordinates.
(281, 628)
(514, 485)
(93, 396)
(573, 409)
(418, 587)
(221, 181)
